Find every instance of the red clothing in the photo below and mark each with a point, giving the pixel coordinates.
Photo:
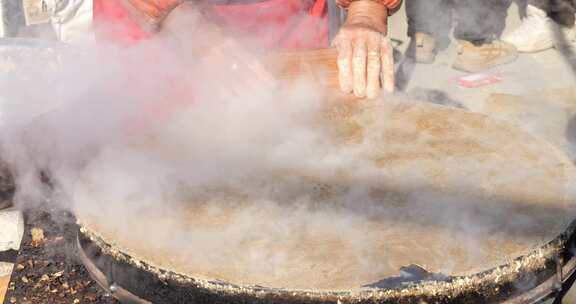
(113, 22)
(285, 24)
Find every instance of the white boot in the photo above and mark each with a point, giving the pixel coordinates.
(538, 32)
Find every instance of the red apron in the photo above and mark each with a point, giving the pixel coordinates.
(276, 24)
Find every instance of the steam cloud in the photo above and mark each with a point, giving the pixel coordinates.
(173, 152)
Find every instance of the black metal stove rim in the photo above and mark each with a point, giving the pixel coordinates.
(161, 286)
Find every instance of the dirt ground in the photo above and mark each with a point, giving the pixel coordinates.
(46, 270)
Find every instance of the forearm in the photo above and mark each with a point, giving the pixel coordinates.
(368, 14)
(391, 5)
(151, 13)
(372, 14)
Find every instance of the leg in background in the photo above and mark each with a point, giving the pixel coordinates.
(478, 29)
(480, 21)
(429, 25)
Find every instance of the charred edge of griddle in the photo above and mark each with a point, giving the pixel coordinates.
(495, 280)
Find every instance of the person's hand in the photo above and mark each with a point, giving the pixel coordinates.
(365, 60)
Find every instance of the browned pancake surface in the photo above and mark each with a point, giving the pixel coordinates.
(451, 191)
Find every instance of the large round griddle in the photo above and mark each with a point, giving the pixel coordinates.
(480, 203)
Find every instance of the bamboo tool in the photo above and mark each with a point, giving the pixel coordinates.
(320, 64)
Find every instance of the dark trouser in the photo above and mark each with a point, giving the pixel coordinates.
(561, 11)
(477, 21)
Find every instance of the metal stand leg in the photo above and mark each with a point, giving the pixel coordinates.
(566, 286)
(104, 281)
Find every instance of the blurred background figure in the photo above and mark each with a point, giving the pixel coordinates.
(546, 24)
(479, 25)
(69, 21)
(72, 20)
